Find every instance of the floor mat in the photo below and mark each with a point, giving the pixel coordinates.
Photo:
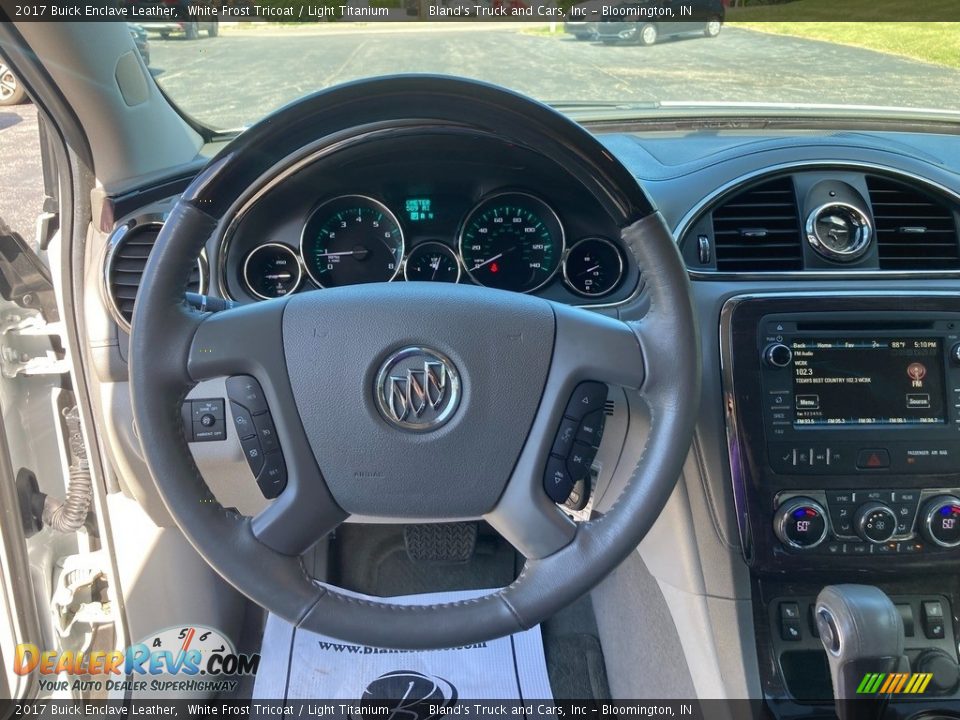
(296, 664)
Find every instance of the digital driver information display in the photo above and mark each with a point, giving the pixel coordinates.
(868, 381)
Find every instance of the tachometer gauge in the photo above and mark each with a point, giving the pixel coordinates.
(512, 241)
(272, 270)
(349, 240)
(593, 267)
(432, 261)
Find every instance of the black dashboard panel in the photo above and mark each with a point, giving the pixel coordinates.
(441, 195)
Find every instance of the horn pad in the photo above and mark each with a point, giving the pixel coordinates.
(417, 399)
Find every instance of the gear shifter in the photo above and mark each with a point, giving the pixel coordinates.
(862, 633)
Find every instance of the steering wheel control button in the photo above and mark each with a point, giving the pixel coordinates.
(246, 391)
(207, 420)
(242, 421)
(800, 523)
(579, 461)
(253, 453)
(569, 429)
(273, 477)
(556, 480)
(266, 432)
(417, 389)
(591, 429)
(587, 397)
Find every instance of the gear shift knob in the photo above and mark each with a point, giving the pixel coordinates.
(862, 633)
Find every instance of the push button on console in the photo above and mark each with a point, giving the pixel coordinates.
(878, 459)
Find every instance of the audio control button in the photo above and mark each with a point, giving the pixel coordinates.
(777, 355)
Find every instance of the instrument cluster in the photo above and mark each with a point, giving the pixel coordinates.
(508, 239)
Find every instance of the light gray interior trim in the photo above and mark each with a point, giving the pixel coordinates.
(115, 129)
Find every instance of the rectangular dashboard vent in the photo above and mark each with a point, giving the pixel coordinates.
(758, 229)
(915, 229)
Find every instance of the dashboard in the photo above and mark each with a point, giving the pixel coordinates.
(429, 209)
(825, 269)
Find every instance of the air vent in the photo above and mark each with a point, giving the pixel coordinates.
(758, 230)
(915, 229)
(125, 265)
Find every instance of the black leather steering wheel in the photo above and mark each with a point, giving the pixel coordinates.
(317, 356)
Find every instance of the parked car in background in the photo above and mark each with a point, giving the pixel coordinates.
(706, 21)
(190, 29)
(12, 92)
(582, 19)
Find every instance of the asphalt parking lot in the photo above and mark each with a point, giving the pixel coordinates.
(232, 80)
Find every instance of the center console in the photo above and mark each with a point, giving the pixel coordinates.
(843, 430)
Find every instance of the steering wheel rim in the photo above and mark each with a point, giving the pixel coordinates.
(172, 347)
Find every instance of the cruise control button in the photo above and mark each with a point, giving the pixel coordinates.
(565, 435)
(591, 428)
(556, 480)
(586, 397)
(242, 421)
(253, 453)
(273, 478)
(246, 391)
(266, 432)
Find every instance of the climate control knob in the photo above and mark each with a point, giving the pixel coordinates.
(777, 355)
(941, 521)
(875, 522)
(800, 523)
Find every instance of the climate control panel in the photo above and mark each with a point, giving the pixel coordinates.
(868, 522)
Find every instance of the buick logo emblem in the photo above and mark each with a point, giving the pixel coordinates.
(417, 389)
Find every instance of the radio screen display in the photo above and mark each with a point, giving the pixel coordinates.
(868, 381)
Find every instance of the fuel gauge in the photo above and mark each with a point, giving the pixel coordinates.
(594, 266)
(272, 270)
(432, 261)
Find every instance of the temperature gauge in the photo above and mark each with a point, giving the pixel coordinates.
(593, 267)
(272, 270)
(432, 261)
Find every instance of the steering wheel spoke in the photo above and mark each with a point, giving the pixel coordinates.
(246, 345)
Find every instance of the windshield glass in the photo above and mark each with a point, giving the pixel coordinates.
(588, 68)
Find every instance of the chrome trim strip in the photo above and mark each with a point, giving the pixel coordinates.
(734, 455)
(115, 240)
(697, 210)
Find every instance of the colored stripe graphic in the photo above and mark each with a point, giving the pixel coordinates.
(894, 683)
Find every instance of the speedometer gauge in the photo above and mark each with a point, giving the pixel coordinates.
(512, 241)
(351, 239)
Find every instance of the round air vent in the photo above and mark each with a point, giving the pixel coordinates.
(125, 263)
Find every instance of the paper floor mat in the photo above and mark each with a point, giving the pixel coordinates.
(296, 665)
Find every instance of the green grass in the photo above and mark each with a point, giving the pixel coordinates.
(934, 42)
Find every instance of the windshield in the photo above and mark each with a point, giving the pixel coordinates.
(250, 69)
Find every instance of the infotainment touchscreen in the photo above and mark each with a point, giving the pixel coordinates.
(868, 381)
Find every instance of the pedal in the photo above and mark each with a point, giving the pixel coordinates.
(441, 542)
